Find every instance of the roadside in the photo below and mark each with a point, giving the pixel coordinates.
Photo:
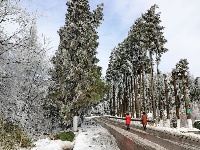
(93, 136)
(90, 136)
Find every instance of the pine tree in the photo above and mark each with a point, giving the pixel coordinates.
(154, 41)
(182, 71)
(76, 76)
(177, 98)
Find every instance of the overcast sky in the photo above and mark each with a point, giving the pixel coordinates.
(179, 17)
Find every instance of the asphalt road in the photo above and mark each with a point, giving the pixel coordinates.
(137, 139)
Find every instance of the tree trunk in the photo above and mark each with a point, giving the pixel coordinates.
(185, 96)
(144, 90)
(160, 105)
(158, 84)
(136, 95)
(177, 101)
(126, 94)
(141, 95)
(113, 101)
(118, 104)
(129, 95)
(166, 95)
(133, 110)
(152, 86)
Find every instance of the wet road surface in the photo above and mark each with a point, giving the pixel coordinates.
(137, 139)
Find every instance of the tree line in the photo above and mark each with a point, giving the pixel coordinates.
(136, 83)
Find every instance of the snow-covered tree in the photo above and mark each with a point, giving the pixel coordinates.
(23, 70)
(182, 70)
(154, 41)
(76, 76)
(13, 22)
(133, 64)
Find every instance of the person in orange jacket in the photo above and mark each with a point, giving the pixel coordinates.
(144, 120)
(128, 121)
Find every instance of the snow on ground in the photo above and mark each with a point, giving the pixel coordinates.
(183, 131)
(92, 136)
(46, 144)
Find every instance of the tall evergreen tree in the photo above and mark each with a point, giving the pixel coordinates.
(176, 96)
(154, 41)
(183, 74)
(76, 76)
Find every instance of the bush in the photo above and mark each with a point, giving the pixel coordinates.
(26, 142)
(12, 136)
(197, 124)
(66, 136)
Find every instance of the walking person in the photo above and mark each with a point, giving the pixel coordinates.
(128, 121)
(144, 120)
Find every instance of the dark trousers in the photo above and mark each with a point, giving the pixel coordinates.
(144, 126)
(128, 126)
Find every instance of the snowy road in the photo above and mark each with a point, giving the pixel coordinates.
(137, 139)
(92, 136)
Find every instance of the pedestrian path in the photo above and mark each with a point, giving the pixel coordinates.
(92, 136)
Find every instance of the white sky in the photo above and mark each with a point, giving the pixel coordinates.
(180, 19)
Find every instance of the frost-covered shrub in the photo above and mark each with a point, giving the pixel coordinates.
(24, 72)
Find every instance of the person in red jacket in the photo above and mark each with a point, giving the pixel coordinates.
(128, 121)
(144, 120)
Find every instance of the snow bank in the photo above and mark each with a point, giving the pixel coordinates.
(90, 136)
(180, 132)
(47, 144)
